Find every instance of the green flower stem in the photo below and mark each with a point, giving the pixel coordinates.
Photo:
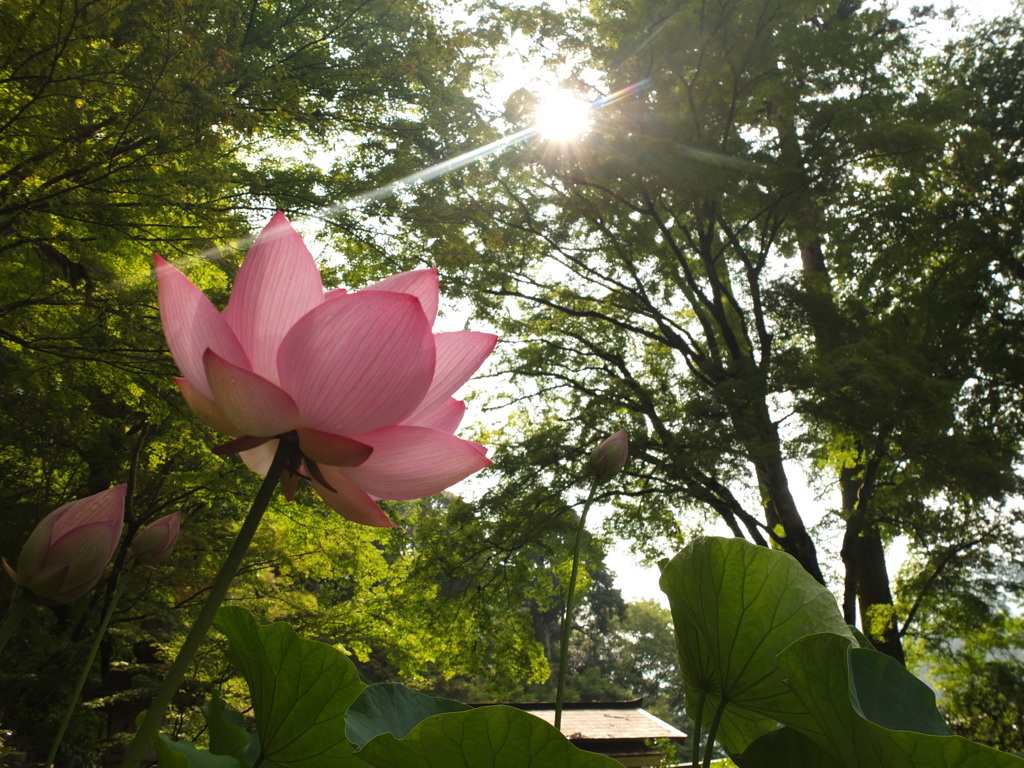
(218, 591)
(563, 659)
(19, 607)
(85, 672)
(709, 745)
(695, 758)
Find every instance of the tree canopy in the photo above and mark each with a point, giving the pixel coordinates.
(133, 127)
(789, 243)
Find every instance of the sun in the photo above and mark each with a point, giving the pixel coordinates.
(560, 115)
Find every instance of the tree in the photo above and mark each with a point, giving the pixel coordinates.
(919, 245)
(130, 127)
(695, 269)
(979, 677)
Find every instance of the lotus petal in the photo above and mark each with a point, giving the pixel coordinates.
(48, 583)
(277, 284)
(260, 458)
(67, 552)
(445, 418)
(421, 283)
(10, 571)
(154, 544)
(250, 402)
(105, 506)
(410, 462)
(334, 450)
(193, 325)
(359, 380)
(206, 409)
(290, 485)
(349, 500)
(459, 354)
(358, 362)
(86, 550)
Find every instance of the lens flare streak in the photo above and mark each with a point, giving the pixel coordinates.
(459, 161)
(493, 148)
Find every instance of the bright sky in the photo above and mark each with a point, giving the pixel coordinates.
(973, 10)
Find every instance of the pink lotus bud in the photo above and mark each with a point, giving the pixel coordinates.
(610, 456)
(68, 551)
(154, 543)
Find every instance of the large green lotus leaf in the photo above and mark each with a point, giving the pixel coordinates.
(862, 641)
(822, 671)
(300, 690)
(486, 737)
(227, 730)
(228, 735)
(182, 754)
(786, 748)
(885, 692)
(735, 606)
(392, 708)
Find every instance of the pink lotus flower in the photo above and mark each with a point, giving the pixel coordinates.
(358, 381)
(68, 551)
(154, 543)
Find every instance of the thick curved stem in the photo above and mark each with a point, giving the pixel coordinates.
(72, 703)
(563, 660)
(695, 757)
(709, 747)
(218, 591)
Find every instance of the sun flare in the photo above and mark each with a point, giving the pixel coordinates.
(560, 115)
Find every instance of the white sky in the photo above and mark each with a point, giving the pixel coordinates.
(972, 10)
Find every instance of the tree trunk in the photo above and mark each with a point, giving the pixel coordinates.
(784, 521)
(867, 576)
(874, 597)
(867, 594)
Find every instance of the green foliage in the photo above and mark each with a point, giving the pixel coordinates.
(786, 747)
(794, 242)
(646, 661)
(627, 654)
(762, 645)
(872, 712)
(735, 607)
(497, 736)
(227, 730)
(979, 677)
(300, 690)
(645, 278)
(129, 127)
(179, 754)
(308, 700)
(391, 708)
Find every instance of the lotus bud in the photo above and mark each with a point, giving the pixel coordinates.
(610, 456)
(68, 551)
(154, 543)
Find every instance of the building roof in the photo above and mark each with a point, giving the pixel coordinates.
(604, 720)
